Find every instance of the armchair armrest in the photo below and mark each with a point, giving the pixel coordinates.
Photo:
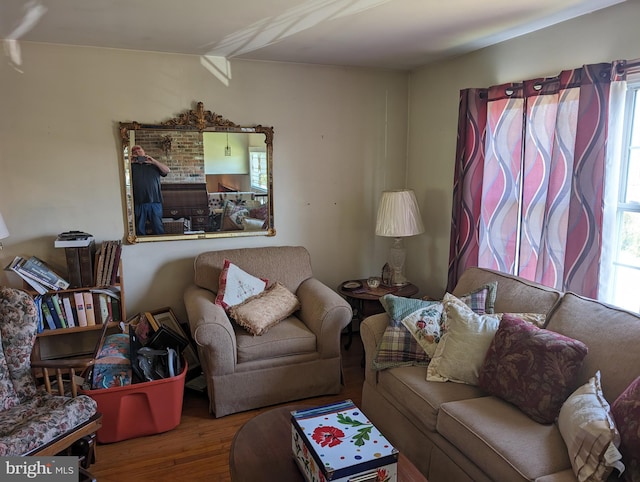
(211, 329)
(69, 367)
(371, 331)
(325, 313)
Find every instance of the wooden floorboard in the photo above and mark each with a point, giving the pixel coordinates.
(198, 449)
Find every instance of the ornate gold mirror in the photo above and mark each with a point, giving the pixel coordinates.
(215, 178)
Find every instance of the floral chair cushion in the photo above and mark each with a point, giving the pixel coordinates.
(32, 417)
(18, 324)
(29, 425)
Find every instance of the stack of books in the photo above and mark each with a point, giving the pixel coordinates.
(108, 263)
(38, 274)
(80, 249)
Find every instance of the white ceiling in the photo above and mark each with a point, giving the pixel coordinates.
(395, 34)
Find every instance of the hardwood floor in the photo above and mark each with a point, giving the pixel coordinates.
(198, 449)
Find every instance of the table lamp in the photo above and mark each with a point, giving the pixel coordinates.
(398, 217)
(4, 231)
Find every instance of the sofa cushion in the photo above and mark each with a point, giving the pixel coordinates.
(588, 429)
(289, 337)
(599, 328)
(501, 440)
(420, 400)
(533, 368)
(236, 285)
(289, 265)
(260, 312)
(514, 295)
(626, 413)
(462, 348)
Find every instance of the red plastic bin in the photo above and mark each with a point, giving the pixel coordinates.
(139, 409)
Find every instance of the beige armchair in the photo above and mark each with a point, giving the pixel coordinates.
(295, 359)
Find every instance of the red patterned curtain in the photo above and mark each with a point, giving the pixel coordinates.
(529, 179)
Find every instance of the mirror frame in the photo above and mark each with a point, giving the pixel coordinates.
(199, 120)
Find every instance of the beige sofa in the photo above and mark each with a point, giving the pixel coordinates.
(297, 358)
(455, 432)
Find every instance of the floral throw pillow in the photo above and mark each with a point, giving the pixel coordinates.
(533, 368)
(626, 413)
(236, 285)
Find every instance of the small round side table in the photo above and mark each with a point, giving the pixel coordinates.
(365, 301)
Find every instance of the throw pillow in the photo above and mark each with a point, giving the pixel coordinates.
(260, 312)
(233, 215)
(261, 212)
(533, 368)
(236, 285)
(483, 299)
(626, 413)
(537, 319)
(398, 346)
(462, 348)
(412, 333)
(588, 430)
(252, 224)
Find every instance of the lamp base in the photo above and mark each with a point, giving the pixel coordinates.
(397, 256)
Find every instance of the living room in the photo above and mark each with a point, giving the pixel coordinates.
(341, 136)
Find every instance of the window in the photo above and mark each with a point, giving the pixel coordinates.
(625, 273)
(258, 168)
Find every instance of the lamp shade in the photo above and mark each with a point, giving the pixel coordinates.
(4, 231)
(398, 214)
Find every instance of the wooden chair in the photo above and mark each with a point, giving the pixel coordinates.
(35, 420)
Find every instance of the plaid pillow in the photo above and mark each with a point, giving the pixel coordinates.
(414, 326)
(400, 346)
(482, 300)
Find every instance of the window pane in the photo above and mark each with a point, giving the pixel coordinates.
(629, 239)
(625, 293)
(633, 176)
(635, 132)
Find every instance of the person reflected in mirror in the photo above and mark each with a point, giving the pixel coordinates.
(147, 195)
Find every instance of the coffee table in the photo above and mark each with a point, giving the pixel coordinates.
(261, 451)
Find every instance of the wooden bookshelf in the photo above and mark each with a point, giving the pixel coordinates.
(77, 340)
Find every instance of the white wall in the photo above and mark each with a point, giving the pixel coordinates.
(340, 139)
(602, 36)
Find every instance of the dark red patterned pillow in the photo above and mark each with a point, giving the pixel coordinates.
(626, 413)
(532, 368)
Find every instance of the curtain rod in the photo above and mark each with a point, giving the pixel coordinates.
(622, 66)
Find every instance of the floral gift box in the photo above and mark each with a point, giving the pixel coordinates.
(337, 442)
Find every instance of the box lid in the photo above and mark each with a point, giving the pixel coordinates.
(342, 440)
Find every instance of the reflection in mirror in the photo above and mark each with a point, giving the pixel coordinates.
(219, 182)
